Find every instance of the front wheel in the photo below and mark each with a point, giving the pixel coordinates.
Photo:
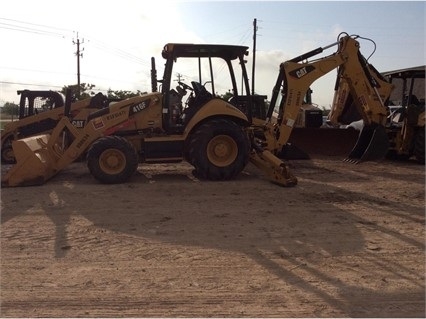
(219, 150)
(112, 160)
(7, 155)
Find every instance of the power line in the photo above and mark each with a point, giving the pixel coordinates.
(34, 24)
(29, 30)
(101, 45)
(32, 84)
(118, 52)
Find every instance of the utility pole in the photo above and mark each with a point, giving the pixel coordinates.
(78, 54)
(254, 55)
(179, 76)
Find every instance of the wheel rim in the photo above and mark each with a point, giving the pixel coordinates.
(7, 154)
(222, 150)
(112, 161)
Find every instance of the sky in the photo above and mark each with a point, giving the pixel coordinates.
(118, 38)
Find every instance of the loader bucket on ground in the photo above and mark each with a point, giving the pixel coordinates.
(33, 163)
(372, 144)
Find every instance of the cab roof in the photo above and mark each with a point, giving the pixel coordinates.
(189, 50)
(414, 72)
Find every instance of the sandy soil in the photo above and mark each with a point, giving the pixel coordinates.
(347, 241)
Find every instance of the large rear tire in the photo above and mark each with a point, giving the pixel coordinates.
(219, 150)
(112, 160)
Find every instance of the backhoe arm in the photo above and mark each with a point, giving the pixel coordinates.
(297, 79)
(294, 80)
(344, 110)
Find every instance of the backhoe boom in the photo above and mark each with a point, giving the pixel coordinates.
(295, 79)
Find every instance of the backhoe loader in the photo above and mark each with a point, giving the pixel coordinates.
(297, 75)
(218, 137)
(39, 112)
(405, 124)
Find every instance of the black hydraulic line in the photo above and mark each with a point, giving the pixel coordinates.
(307, 55)
(367, 73)
(275, 93)
(312, 53)
(68, 98)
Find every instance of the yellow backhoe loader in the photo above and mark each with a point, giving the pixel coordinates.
(39, 112)
(218, 137)
(404, 94)
(406, 123)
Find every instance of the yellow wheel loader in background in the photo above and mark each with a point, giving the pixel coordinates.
(40, 112)
(192, 123)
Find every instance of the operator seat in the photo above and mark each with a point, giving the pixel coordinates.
(202, 96)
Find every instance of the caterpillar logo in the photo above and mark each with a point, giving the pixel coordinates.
(301, 72)
(78, 123)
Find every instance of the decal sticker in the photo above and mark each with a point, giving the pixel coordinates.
(98, 123)
(115, 115)
(290, 122)
(83, 140)
(139, 107)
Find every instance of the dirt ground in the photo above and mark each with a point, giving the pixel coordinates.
(347, 241)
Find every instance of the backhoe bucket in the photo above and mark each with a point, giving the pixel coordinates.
(34, 164)
(372, 145)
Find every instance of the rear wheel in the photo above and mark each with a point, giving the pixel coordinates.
(112, 160)
(219, 150)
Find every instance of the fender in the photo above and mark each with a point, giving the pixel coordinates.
(212, 108)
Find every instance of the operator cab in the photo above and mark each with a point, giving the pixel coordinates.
(199, 72)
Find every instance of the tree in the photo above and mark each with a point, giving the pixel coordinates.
(226, 96)
(120, 95)
(79, 94)
(10, 109)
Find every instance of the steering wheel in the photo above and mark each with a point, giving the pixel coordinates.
(185, 86)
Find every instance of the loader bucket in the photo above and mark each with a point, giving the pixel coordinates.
(372, 145)
(33, 163)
